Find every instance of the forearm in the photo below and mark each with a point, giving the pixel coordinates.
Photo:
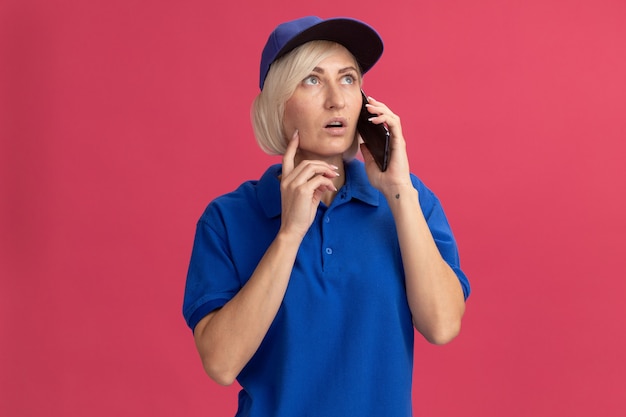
(227, 338)
(434, 293)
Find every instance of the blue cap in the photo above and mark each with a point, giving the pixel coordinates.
(357, 37)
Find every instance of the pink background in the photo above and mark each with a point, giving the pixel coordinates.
(121, 119)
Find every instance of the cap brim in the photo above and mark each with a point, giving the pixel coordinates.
(358, 38)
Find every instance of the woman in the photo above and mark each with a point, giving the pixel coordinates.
(305, 285)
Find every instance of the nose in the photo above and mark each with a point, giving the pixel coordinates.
(334, 97)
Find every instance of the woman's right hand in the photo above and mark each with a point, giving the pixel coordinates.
(302, 186)
(227, 338)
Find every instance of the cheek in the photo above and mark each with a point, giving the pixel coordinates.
(294, 117)
(290, 116)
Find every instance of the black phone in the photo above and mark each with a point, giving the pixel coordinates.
(375, 136)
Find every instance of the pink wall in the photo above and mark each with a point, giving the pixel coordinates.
(120, 120)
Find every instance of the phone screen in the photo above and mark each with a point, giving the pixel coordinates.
(375, 136)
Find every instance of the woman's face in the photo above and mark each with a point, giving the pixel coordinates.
(325, 107)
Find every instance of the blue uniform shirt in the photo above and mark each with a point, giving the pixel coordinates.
(342, 341)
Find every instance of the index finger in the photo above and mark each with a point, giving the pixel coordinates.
(290, 154)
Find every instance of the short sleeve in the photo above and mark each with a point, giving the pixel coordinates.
(211, 278)
(442, 232)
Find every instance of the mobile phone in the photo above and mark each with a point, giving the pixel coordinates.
(375, 136)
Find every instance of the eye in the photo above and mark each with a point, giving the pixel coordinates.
(348, 79)
(311, 80)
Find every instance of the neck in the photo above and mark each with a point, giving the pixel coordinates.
(338, 182)
(329, 196)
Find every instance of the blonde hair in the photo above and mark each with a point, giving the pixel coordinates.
(282, 79)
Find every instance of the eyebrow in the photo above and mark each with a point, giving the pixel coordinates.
(341, 71)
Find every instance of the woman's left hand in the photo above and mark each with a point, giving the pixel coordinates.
(397, 174)
(435, 297)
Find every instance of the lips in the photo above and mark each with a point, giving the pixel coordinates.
(336, 122)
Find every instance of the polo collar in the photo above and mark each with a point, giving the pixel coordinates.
(357, 187)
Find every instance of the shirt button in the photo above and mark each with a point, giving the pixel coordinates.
(327, 219)
(329, 251)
